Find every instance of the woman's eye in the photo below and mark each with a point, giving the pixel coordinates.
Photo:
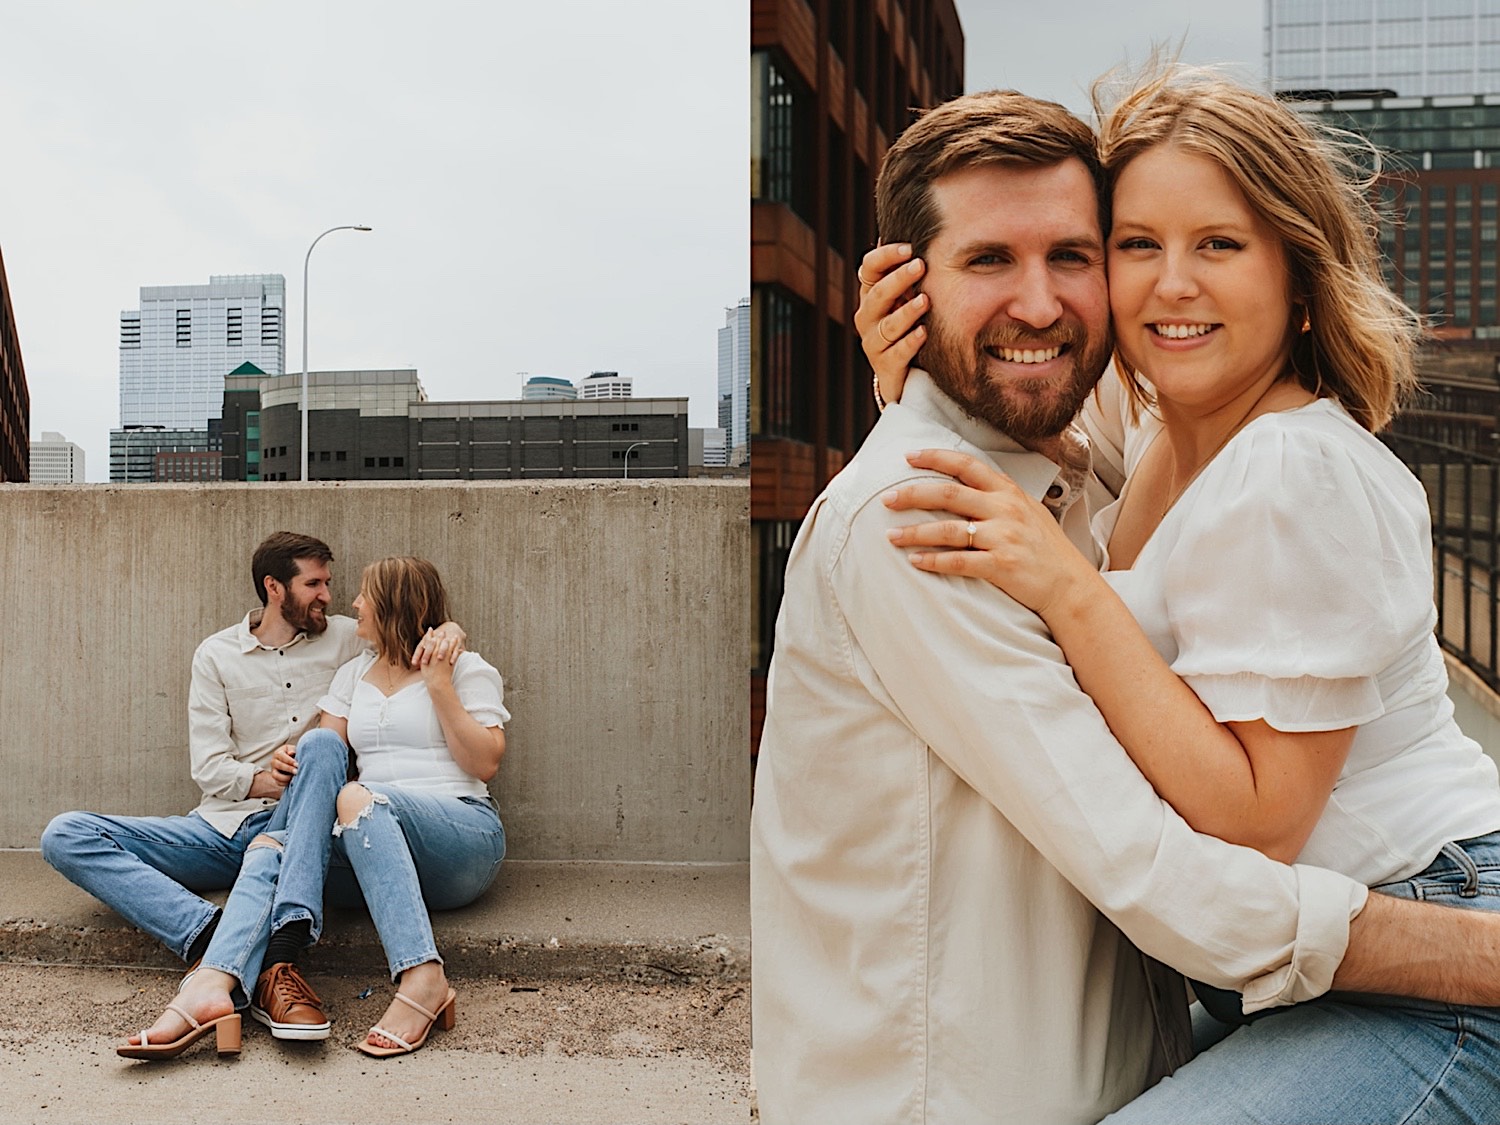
(1222, 244)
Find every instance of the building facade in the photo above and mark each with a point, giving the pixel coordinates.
(832, 84)
(1408, 48)
(177, 347)
(605, 384)
(378, 425)
(15, 395)
(133, 450)
(1440, 194)
(734, 381)
(545, 388)
(56, 460)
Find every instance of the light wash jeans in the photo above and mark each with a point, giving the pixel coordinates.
(149, 868)
(406, 853)
(1351, 1059)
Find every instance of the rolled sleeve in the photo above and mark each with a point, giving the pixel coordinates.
(976, 677)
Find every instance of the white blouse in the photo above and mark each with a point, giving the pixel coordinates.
(1292, 582)
(398, 740)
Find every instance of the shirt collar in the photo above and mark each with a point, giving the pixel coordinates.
(1034, 472)
(249, 642)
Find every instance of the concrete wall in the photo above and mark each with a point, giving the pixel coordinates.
(616, 611)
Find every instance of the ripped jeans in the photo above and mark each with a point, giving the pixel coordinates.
(407, 852)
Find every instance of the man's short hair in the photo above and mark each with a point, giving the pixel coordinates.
(998, 127)
(277, 557)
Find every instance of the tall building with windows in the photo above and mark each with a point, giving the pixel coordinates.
(734, 380)
(831, 86)
(177, 347)
(56, 460)
(1410, 48)
(15, 395)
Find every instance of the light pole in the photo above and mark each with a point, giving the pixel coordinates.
(628, 448)
(305, 262)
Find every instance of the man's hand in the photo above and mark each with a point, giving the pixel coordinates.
(443, 643)
(265, 784)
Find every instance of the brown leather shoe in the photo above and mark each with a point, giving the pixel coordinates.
(286, 1004)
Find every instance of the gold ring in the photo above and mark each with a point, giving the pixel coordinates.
(971, 527)
(860, 273)
(880, 327)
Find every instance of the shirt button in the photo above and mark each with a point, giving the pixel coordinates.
(1056, 492)
(288, 685)
(294, 718)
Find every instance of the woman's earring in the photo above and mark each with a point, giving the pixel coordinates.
(1306, 321)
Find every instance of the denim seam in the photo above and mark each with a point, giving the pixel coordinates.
(1437, 1081)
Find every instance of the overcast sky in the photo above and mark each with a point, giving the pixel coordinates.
(555, 188)
(1054, 49)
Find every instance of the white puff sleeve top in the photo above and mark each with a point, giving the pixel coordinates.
(398, 740)
(1292, 582)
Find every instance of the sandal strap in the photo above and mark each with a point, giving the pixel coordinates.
(392, 1036)
(175, 1007)
(410, 1003)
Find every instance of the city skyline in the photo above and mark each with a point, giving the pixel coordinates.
(526, 217)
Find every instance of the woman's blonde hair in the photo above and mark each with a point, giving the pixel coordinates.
(406, 598)
(1307, 184)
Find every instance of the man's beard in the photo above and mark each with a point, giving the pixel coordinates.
(1025, 409)
(301, 617)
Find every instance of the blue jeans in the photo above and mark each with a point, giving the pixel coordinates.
(1347, 1059)
(149, 869)
(283, 882)
(407, 852)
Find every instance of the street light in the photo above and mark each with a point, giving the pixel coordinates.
(305, 262)
(628, 448)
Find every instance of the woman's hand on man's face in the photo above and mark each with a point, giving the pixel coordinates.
(888, 313)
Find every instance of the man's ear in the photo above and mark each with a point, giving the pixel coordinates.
(275, 591)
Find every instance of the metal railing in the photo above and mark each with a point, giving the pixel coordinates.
(1463, 487)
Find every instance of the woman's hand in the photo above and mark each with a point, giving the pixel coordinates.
(887, 317)
(1016, 544)
(437, 669)
(444, 643)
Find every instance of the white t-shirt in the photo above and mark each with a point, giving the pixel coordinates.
(398, 740)
(1292, 582)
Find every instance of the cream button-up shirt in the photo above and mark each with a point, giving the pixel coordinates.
(947, 842)
(246, 699)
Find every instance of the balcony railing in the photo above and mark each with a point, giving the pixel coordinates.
(1462, 489)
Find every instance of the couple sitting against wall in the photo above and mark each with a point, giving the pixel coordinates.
(276, 703)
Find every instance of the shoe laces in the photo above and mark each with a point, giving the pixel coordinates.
(288, 986)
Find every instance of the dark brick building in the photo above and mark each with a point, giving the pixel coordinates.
(833, 83)
(378, 425)
(15, 396)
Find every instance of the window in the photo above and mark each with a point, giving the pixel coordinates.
(233, 326)
(781, 135)
(369, 462)
(384, 462)
(323, 455)
(341, 455)
(184, 328)
(398, 462)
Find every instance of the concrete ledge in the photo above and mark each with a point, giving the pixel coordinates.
(625, 921)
